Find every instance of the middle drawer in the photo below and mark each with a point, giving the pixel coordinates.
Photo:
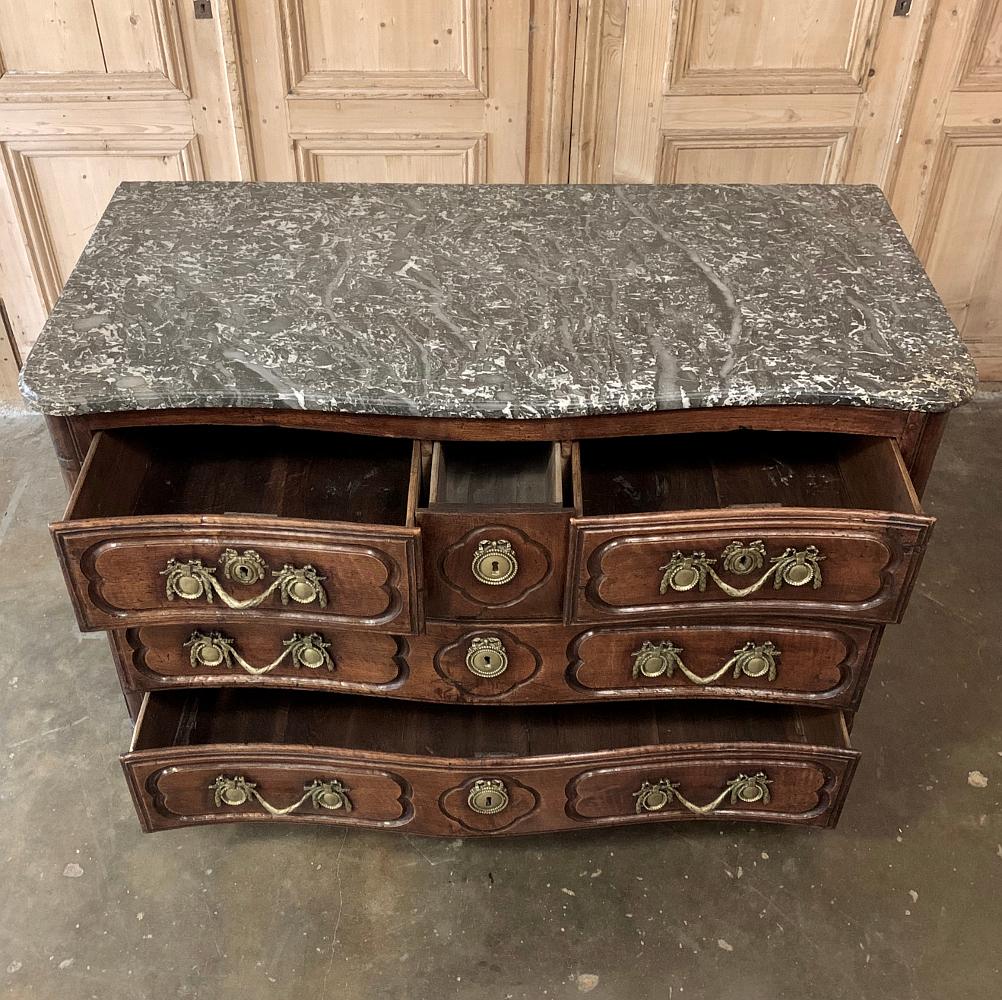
(772, 660)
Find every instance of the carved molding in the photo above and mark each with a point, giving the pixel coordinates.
(471, 148)
(523, 802)
(836, 143)
(172, 80)
(684, 78)
(16, 157)
(975, 72)
(469, 82)
(953, 140)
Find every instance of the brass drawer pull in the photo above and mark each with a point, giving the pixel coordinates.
(190, 580)
(742, 790)
(488, 796)
(797, 567)
(662, 659)
(494, 562)
(213, 649)
(321, 794)
(487, 657)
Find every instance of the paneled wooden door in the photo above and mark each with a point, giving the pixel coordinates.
(441, 91)
(94, 92)
(948, 193)
(727, 91)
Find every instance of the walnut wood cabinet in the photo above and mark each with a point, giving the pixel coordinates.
(460, 627)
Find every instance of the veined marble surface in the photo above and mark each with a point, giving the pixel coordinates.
(496, 302)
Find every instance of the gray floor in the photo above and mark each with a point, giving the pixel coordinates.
(903, 900)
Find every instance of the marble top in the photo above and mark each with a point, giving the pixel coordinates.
(496, 302)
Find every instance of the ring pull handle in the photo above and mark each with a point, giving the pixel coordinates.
(742, 790)
(214, 649)
(662, 659)
(190, 580)
(237, 791)
(796, 567)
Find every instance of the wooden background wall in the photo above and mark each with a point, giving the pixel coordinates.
(93, 92)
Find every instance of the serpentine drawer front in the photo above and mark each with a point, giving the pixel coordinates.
(782, 661)
(261, 654)
(787, 526)
(214, 756)
(194, 526)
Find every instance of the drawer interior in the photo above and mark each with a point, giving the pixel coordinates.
(214, 716)
(743, 468)
(498, 474)
(279, 472)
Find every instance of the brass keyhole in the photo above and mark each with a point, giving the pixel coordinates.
(488, 796)
(487, 656)
(494, 562)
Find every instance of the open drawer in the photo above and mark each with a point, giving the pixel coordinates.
(214, 756)
(193, 525)
(493, 518)
(802, 523)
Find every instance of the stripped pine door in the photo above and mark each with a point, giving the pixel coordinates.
(442, 91)
(721, 91)
(948, 193)
(94, 92)
(97, 91)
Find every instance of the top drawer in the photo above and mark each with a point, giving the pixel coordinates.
(193, 525)
(816, 524)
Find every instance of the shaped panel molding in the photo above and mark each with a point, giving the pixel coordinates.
(772, 46)
(385, 48)
(413, 159)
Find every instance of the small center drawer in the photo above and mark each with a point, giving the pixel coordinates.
(801, 523)
(494, 518)
(174, 524)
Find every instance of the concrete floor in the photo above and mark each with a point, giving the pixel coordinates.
(903, 900)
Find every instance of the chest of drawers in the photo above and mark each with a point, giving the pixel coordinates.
(410, 612)
(290, 608)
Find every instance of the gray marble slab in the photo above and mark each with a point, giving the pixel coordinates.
(496, 302)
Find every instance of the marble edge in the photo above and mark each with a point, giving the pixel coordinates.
(901, 401)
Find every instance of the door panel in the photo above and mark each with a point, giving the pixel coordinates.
(772, 45)
(91, 94)
(759, 91)
(948, 193)
(391, 90)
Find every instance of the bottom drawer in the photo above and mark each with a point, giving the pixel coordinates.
(212, 755)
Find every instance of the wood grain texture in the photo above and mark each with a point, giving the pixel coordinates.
(92, 94)
(158, 656)
(115, 568)
(822, 663)
(947, 191)
(449, 543)
(870, 563)
(583, 775)
(823, 90)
